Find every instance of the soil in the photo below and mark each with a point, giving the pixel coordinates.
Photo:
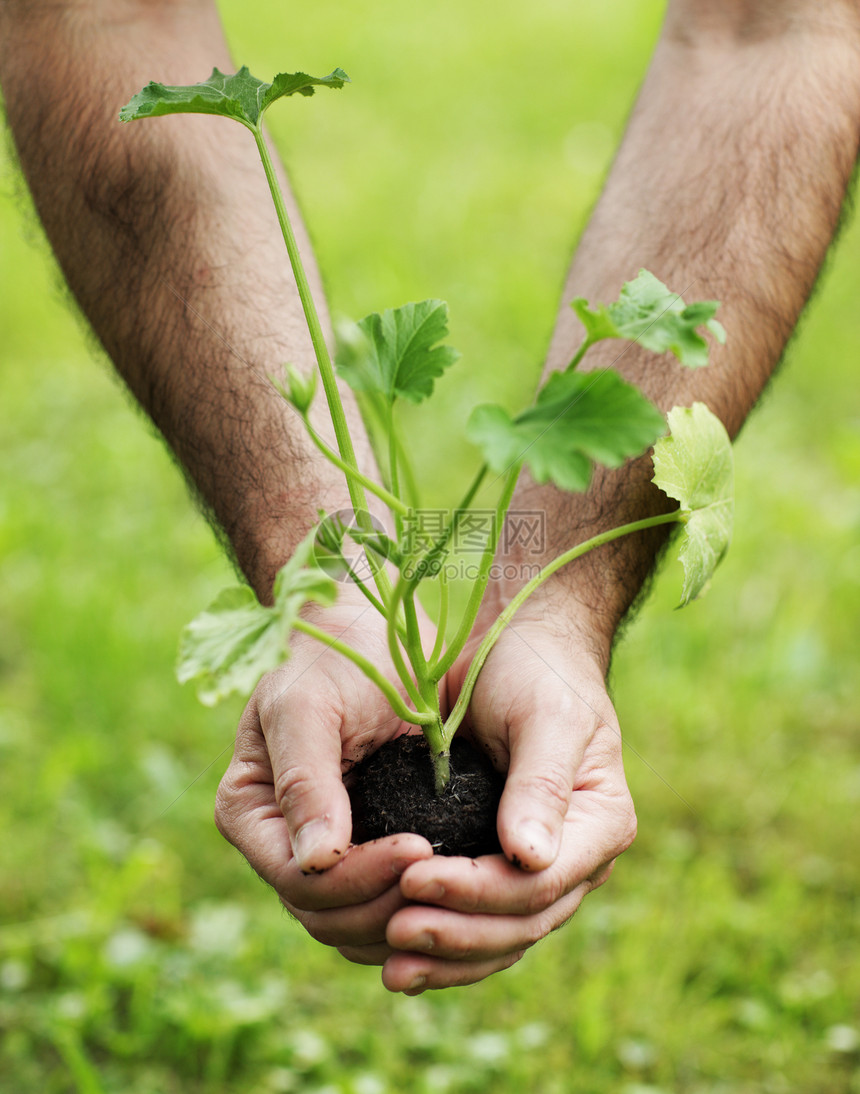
(393, 791)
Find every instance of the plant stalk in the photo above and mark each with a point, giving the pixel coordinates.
(477, 594)
(394, 503)
(458, 712)
(415, 717)
(335, 404)
(442, 623)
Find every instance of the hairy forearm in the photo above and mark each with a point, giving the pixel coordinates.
(167, 238)
(728, 185)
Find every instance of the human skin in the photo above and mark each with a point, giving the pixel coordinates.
(739, 204)
(728, 185)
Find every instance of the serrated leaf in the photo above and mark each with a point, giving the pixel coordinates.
(229, 646)
(301, 580)
(396, 354)
(694, 466)
(239, 95)
(578, 419)
(650, 314)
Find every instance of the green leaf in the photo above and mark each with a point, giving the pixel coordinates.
(658, 319)
(301, 580)
(229, 646)
(578, 419)
(694, 466)
(396, 354)
(240, 95)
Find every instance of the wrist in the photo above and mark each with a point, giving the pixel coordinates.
(573, 614)
(756, 22)
(266, 531)
(585, 598)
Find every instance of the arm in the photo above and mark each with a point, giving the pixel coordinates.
(728, 185)
(162, 231)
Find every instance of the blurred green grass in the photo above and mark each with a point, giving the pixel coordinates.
(137, 952)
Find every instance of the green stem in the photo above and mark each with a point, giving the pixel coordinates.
(440, 667)
(335, 405)
(380, 607)
(503, 619)
(393, 479)
(442, 624)
(440, 754)
(400, 666)
(375, 420)
(413, 494)
(395, 699)
(580, 353)
(413, 637)
(421, 568)
(393, 503)
(404, 592)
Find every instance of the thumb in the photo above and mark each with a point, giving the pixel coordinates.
(302, 727)
(547, 745)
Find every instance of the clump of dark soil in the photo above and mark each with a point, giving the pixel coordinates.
(393, 791)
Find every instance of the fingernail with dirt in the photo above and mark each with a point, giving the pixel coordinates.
(311, 840)
(537, 842)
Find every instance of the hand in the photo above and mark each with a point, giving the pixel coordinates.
(541, 711)
(282, 801)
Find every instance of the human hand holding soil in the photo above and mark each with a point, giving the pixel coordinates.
(282, 801)
(541, 710)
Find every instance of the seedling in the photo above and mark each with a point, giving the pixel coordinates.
(578, 419)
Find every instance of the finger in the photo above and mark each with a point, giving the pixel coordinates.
(453, 936)
(413, 974)
(366, 955)
(547, 745)
(355, 925)
(303, 738)
(247, 815)
(365, 872)
(492, 886)
(596, 832)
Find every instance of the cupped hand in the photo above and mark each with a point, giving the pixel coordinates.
(282, 801)
(541, 711)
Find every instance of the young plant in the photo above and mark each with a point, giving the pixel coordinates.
(577, 420)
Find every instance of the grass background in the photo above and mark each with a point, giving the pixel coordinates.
(138, 954)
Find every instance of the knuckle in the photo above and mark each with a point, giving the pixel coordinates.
(543, 924)
(550, 786)
(512, 959)
(321, 932)
(545, 892)
(601, 876)
(630, 827)
(225, 808)
(463, 949)
(538, 928)
(294, 784)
